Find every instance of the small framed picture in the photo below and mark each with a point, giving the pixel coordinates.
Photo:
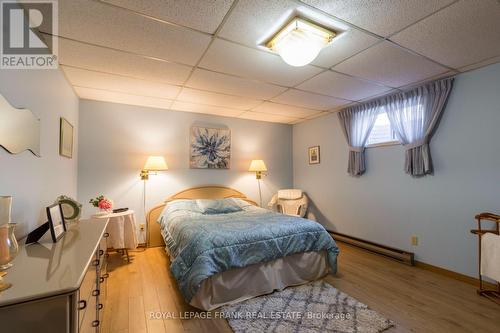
(57, 224)
(65, 138)
(314, 155)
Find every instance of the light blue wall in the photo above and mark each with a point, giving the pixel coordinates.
(116, 139)
(36, 182)
(387, 206)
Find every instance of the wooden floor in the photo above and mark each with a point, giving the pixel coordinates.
(416, 299)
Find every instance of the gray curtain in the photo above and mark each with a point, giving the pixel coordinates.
(414, 116)
(356, 123)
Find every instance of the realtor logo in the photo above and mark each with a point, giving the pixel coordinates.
(23, 46)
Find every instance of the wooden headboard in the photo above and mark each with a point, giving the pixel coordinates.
(203, 192)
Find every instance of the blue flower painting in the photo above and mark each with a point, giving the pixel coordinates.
(210, 148)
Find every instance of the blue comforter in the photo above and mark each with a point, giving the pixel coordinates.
(202, 245)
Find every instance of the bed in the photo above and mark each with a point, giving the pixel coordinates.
(222, 257)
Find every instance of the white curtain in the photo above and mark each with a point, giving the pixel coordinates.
(414, 116)
(356, 123)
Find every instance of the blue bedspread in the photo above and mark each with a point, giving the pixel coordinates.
(203, 245)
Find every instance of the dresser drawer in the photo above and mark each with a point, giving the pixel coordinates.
(85, 292)
(88, 283)
(89, 316)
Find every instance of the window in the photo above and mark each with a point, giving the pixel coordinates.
(382, 132)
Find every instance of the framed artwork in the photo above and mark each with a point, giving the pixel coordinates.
(57, 224)
(314, 157)
(210, 148)
(65, 138)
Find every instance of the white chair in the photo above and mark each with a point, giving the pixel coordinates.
(292, 202)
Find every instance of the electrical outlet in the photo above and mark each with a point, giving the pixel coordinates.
(141, 226)
(414, 240)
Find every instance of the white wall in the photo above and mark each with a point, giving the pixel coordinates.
(387, 206)
(116, 139)
(36, 182)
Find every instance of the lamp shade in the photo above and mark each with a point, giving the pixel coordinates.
(257, 165)
(155, 163)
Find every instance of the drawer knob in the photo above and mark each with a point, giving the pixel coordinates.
(101, 252)
(83, 304)
(100, 306)
(96, 262)
(105, 275)
(96, 292)
(95, 323)
(101, 279)
(106, 235)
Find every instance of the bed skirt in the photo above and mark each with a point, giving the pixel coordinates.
(239, 284)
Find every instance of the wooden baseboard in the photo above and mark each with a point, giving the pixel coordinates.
(453, 275)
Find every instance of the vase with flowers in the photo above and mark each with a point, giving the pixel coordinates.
(104, 204)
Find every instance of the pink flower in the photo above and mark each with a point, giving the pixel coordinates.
(105, 204)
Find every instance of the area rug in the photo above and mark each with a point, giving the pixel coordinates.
(312, 307)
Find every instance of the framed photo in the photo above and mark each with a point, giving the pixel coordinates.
(65, 138)
(210, 148)
(314, 157)
(57, 225)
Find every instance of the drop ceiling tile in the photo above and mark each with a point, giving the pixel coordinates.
(208, 109)
(464, 33)
(207, 80)
(385, 93)
(480, 64)
(390, 65)
(319, 114)
(101, 59)
(111, 82)
(380, 17)
(436, 77)
(227, 57)
(254, 22)
(101, 24)
(205, 15)
(341, 86)
(120, 98)
(343, 46)
(284, 110)
(267, 117)
(309, 100)
(216, 99)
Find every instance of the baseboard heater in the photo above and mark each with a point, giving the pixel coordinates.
(390, 252)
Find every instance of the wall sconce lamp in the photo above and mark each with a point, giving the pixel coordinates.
(259, 167)
(153, 163)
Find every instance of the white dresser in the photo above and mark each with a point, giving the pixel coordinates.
(58, 287)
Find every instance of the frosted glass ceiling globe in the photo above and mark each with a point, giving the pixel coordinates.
(299, 47)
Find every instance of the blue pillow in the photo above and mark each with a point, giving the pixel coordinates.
(218, 206)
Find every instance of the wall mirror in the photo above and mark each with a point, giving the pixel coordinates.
(19, 129)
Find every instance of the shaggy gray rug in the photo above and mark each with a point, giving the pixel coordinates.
(313, 307)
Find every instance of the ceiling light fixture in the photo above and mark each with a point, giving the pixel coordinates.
(300, 41)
